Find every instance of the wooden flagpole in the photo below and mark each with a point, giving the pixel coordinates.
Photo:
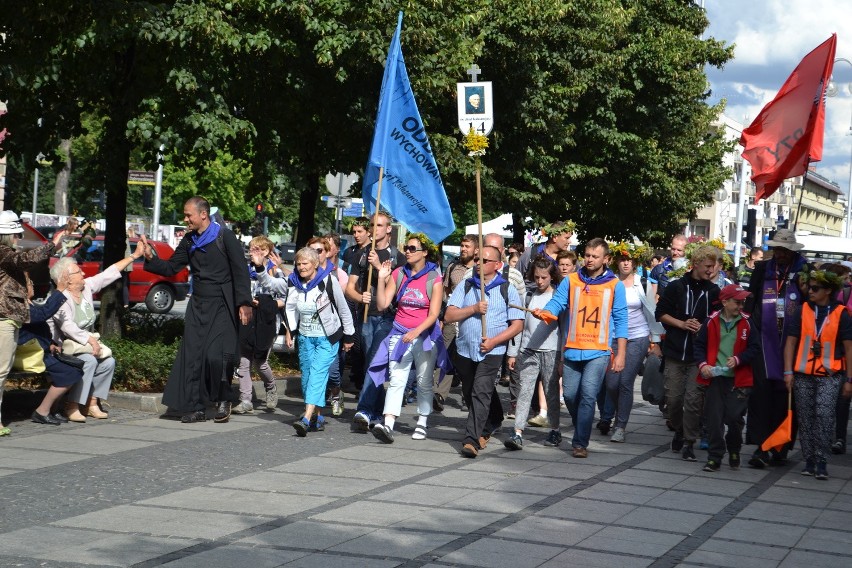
(373, 244)
(481, 251)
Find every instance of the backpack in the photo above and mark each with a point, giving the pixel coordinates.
(504, 290)
(430, 281)
(322, 288)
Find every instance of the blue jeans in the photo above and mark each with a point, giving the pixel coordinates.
(371, 401)
(619, 386)
(581, 383)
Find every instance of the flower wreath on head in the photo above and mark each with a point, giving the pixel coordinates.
(557, 228)
(694, 244)
(426, 243)
(824, 277)
(637, 253)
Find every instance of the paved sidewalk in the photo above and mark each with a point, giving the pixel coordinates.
(138, 490)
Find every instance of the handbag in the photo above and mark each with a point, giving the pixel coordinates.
(29, 357)
(71, 347)
(75, 362)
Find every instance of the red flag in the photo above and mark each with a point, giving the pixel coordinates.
(788, 132)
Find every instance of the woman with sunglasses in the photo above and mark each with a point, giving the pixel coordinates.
(416, 289)
(817, 361)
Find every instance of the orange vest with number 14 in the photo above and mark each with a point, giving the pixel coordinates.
(590, 310)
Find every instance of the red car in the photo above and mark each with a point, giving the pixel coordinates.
(158, 292)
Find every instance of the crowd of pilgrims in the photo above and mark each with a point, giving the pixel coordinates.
(725, 352)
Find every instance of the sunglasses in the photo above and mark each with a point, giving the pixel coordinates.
(412, 249)
(815, 288)
(485, 260)
(318, 250)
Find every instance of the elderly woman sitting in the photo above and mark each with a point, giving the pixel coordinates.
(75, 321)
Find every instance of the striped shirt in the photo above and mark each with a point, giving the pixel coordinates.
(497, 319)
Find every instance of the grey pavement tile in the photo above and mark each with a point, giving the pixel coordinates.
(77, 443)
(832, 519)
(624, 540)
(395, 543)
(794, 479)
(327, 560)
(466, 478)
(746, 552)
(646, 439)
(534, 484)
(672, 463)
(493, 464)
(792, 514)
(799, 558)
(587, 510)
(608, 457)
(86, 546)
(36, 459)
(4, 471)
(825, 540)
(266, 503)
(728, 560)
(378, 512)
(617, 493)
(385, 471)
(632, 449)
(496, 501)
(715, 486)
(495, 553)
(302, 484)
(658, 519)
(308, 535)
(563, 470)
(646, 478)
(145, 434)
(382, 453)
(416, 494)
(842, 501)
(162, 522)
(324, 464)
(758, 532)
(693, 502)
(449, 520)
(558, 531)
(791, 496)
(234, 424)
(575, 558)
(535, 450)
(230, 556)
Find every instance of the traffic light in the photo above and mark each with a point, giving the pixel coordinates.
(751, 228)
(258, 211)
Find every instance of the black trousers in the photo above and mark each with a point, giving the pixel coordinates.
(479, 389)
(724, 405)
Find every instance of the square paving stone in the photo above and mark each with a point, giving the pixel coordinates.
(579, 471)
(377, 513)
(758, 532)
(791, 514)
(832, 519)
(87, 547)
(4, 471)
(587, 558)
(692, 502)
(587, 510)
(631, 541)
(324, 464)
(416, 494)
(382, 453)
(267, 503)
(163, 522)
(534, 484)
(494, 553)
(77, 443)
(493, 465)
(555, 531)
(145, 434)
(395, 543)
(801, 497)
(647, 478)
(717, 486)
(454, 521)
(232, 555)
(467, 479)
(617, 493)
(496, 501)
(799, 558)
(235, 424)
(300, 484)
(729, 554)
(327, 560)
(26, 459)
(824, 540)
(658, 519)
(534, 449)
(308, 535)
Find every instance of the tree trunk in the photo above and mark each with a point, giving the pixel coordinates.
(518, 229)
(307, 210)
(60, 190)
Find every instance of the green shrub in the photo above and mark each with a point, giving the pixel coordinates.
(145, 327)
(142, 367)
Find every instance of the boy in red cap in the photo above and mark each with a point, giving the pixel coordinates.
(725, 346)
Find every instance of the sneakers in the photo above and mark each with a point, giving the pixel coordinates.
(712, 465)
(759, 459)
(604, 426)
(539, 421)
(687, 453)
(301, 426)
(838, 447)
(336, 406)
(318, 424)
(244, 407)
(734, 460)
(617, 436)
(516, 442)
(677, 442)
(361, 422)
(464, 407)
(821, 471)
(510, 415)
(579, 452)
(272, 397)
(383, 434)
(810, 468)
(469, 451)
(553, 439)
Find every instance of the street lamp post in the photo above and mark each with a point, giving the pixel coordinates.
(832, 91)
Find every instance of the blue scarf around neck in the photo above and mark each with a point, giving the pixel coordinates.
(296, 281)
(253, 272)
(603, 278)
(498, 279)
(406, 270)
(199, 241)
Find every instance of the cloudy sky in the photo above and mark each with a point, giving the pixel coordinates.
(770, 38)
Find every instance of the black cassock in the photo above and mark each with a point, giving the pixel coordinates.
(202, 371)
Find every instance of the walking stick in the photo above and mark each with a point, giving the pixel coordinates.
(479, 220)
(373, 243)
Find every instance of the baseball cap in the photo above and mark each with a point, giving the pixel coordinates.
(734, 291)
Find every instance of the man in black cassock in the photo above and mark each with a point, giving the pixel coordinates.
(220, 303)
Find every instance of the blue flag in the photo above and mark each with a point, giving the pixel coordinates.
(412, 190)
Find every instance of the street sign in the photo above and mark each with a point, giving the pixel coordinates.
(139, 177)
(475, 108)
(351, 206)
(342, 202)
(340, 184)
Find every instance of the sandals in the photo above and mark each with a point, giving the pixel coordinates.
(192, 417)
(419, 433)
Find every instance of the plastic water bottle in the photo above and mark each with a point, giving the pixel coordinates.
(718, 371)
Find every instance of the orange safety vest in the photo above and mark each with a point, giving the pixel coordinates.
(822, 361)
(588, 323)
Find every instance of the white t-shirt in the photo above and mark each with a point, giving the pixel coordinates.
(537, 335)
(637, 325)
